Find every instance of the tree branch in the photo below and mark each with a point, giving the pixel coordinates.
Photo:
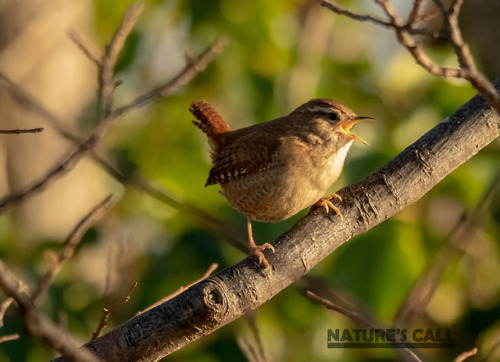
(405, 31)
(60, 169)
(192, 68)
(19, 131)
(38, 324)
(108, 63)
(125, 171)
(70, 245)
(226, 296)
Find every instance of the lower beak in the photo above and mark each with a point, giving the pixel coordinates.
(347, 125)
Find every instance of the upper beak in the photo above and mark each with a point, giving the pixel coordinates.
(346, 126)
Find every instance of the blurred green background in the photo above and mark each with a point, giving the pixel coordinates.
(280, 54)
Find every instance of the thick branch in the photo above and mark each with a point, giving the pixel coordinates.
(228, 295)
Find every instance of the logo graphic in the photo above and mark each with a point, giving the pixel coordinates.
(390, 338)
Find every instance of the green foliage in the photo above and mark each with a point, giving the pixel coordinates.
(164, 249)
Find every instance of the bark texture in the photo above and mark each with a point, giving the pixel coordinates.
(228, 295)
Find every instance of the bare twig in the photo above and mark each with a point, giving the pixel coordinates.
(70, 245)
(107, 312)
(84, 147)
(405, 31)
(415, 13)
(130, 175)
(464, 355)
(359, 320)
(457, 241)
(126, 172)
(59, 169)
(86, 46)
(27, 102)
(10, 337)
(108, 63)
(252, 323)
(21, 131)
(14, 288)
(248, 350)
(253, 353)
(192, 68)
(209, 271)
(354, 316)
(38, 324)
(333, 6)
(3, 308)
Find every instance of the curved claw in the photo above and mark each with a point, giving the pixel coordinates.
(257, 251)
(327, 204)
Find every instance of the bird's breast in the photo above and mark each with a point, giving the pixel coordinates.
(282, 191)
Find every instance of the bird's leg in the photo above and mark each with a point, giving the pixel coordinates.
(327, 204)
(256, 249)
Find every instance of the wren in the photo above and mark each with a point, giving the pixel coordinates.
(271, 171)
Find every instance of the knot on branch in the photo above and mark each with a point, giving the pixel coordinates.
(214, 301)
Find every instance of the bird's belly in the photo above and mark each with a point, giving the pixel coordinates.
(275, 196)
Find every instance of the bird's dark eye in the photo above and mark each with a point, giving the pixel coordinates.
(333, 116)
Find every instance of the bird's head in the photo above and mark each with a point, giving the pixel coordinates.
(337, 117)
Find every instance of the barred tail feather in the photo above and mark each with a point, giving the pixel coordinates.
(209, 121)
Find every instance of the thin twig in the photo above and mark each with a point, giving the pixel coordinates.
(252, 323)
(3, 308)
(10, 337)
(88, 144)
(125, 171)
(404, 33)
(86, 46)
(108, 63)
(247, 349)
(183, 77)
(14, 288)
(333, 6)
(390, 12)
(38, 324)
(59, 169)
(358, 319)
(107, 312)
(20, 131)
(27, 102)
(464, 355)
(354, 316)
(192, 68)
(70, 245)
(457, 241)
(414, 14)
(209, 271)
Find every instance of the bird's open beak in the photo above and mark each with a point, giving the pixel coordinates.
(347, 125)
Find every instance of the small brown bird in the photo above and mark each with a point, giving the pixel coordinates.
(271, 171)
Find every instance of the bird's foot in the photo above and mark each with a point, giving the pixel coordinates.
(257, 251)
(327, 204)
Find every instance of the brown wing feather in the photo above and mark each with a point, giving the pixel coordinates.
(244, 156)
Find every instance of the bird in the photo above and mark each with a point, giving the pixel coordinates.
(272, 170)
